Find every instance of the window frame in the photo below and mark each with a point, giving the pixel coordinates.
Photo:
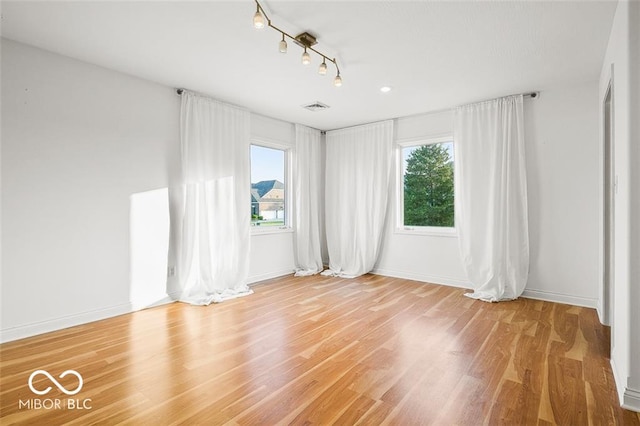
(401, 228)
(288, 199)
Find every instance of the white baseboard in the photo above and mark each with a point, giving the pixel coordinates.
(34, 329)
(455, 282)
(631, 400)
(145, 304)
(23, 331)
(433, 279)
(599, 312)
(548, 296)
(617, 380)
(269, 275)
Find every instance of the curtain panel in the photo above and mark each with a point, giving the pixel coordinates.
(213, 251)
(307, 193)
(491, 197)
(358, 167)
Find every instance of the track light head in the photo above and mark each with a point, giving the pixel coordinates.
(338, 80)
(323, 68)
(282, 47)
(258, 19)
(306, 58)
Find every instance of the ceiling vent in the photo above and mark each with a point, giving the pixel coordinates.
(315, 106)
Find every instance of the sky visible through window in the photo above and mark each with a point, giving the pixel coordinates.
(266, 164)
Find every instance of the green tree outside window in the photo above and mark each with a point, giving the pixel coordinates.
(428, 185)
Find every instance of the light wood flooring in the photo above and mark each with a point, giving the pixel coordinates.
(320, 350)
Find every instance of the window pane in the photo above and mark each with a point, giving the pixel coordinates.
(428, 185)
(267, 186)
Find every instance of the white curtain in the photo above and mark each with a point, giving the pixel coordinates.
(491, 203)
(215, 236)
(356, 191)
(307, 201)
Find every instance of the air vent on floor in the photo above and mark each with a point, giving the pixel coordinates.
(315, 106)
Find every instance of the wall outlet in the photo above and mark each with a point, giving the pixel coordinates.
(171, 271)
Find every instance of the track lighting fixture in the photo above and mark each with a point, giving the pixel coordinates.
(304, 40)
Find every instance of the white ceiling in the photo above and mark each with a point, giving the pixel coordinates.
(435, 55)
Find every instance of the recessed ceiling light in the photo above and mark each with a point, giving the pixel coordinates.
(385, 89)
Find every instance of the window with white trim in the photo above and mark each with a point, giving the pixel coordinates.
(426, 186)
(269, 188)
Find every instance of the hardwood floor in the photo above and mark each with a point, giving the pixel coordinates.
(320, 350)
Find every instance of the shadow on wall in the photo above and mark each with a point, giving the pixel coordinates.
(148, 248)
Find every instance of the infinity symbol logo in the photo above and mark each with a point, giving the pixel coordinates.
(55, 382)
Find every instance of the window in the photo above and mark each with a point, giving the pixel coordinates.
(269, 187)
(427, 195)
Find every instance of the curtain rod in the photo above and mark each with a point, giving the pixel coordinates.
(180, 91)
(526, 95)
(531, 95)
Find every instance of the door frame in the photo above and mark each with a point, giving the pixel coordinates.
(608, 191)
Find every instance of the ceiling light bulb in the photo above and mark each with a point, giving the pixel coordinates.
(258, 19)
(283, 45)
(385, 89)
(337, 81)
(323, 68)
(306, 58)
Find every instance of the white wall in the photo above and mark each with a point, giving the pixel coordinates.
(562, 171)
(80, 144)
(78, 141)
(562, 159)
(621, 66)
(149, 224)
